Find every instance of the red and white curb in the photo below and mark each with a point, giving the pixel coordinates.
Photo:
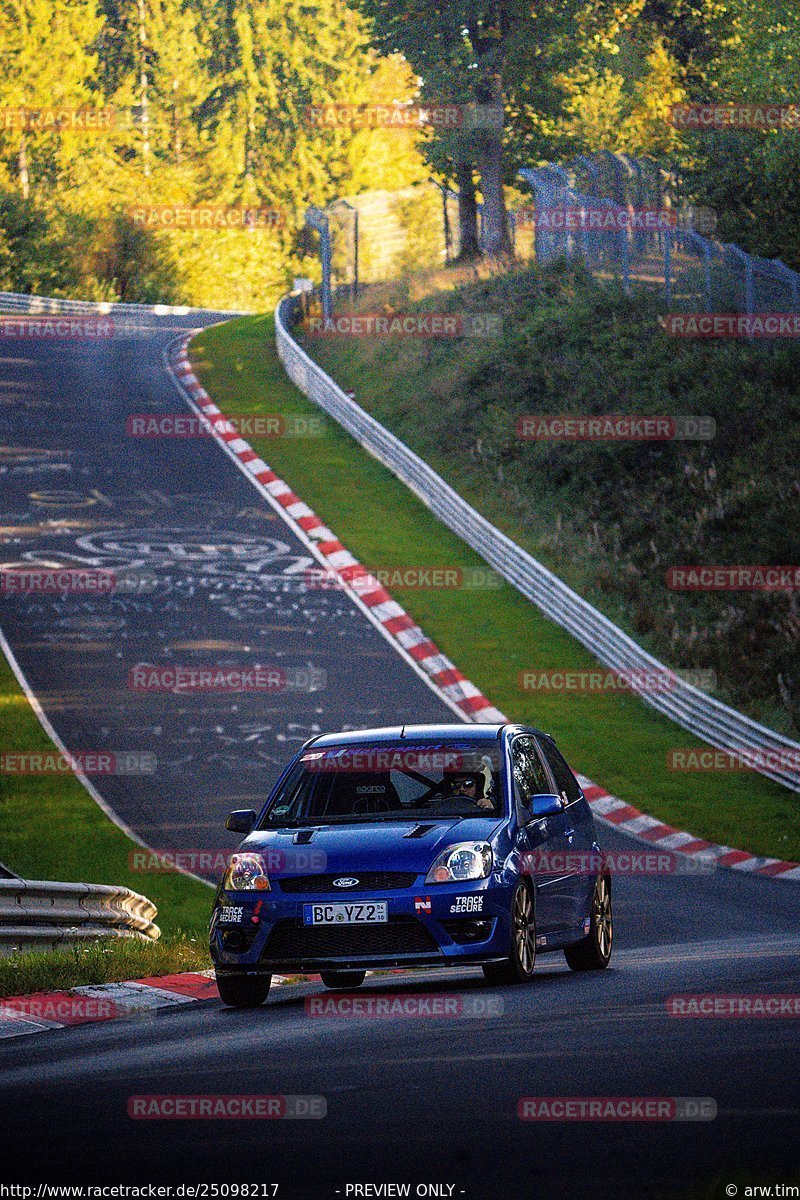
(100, 1002)
(657, 835)
(37, 1013)
(409, 639)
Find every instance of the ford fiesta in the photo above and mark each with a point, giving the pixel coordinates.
(421, 846)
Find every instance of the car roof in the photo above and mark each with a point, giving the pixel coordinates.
(439, 733)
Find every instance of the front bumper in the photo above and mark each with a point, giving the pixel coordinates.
(437, 925)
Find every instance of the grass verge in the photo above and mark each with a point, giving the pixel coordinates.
(493, 634)
(101, 962)
(51, 828)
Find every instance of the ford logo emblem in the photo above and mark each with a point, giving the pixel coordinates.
(345, 881)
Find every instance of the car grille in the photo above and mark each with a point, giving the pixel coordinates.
(292, 940)
(368, 881)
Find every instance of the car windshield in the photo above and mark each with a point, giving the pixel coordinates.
(380, 782)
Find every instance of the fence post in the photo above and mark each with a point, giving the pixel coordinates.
(748, 274)
(792, 277)
(626, 261)
(317, 219)
(354, 211)
(748, 284)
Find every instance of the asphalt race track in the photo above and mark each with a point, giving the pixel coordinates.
(206, 574)
(425, 1100)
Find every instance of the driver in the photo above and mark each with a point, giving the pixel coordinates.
(476, 787)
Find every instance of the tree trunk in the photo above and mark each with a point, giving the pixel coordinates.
(495, 218)
(143, 97)
(469, 243)
(22, 168)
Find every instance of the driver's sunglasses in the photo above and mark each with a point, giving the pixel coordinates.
(461, 783)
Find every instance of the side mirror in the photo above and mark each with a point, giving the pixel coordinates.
(241, 820)
(545, 805)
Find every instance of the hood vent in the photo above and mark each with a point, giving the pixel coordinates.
(303, 837)
(419, 831)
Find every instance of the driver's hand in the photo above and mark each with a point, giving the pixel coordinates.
(485, 802)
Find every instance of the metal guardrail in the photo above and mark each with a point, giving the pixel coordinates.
(38, 914)
(44, 305)
(773, 754)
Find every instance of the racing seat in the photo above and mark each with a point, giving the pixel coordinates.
(374, 793)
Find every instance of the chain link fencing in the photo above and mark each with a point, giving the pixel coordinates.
(627, 219)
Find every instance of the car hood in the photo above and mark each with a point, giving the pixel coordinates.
(379, 846)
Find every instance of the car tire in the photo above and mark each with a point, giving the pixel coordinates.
(342, 980)
(593, 953)
(518, 967)
(243, 991)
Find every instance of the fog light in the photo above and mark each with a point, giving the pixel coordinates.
(476, 931)
(462, 932)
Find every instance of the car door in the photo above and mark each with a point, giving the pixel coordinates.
(578, 829)
(542, 839)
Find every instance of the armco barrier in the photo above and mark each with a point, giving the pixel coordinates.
(38, 914)
(36, 305)
(690, 708)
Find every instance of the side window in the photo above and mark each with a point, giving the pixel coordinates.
(566, 782)
(530, 777)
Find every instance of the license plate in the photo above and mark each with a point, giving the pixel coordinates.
(357, 912)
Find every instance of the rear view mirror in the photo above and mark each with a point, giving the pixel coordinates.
(546, 805)
(241, 820)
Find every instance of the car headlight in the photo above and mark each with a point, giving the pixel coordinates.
(467, 860)
(246, 873)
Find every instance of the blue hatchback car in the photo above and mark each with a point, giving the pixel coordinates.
(420, 846)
